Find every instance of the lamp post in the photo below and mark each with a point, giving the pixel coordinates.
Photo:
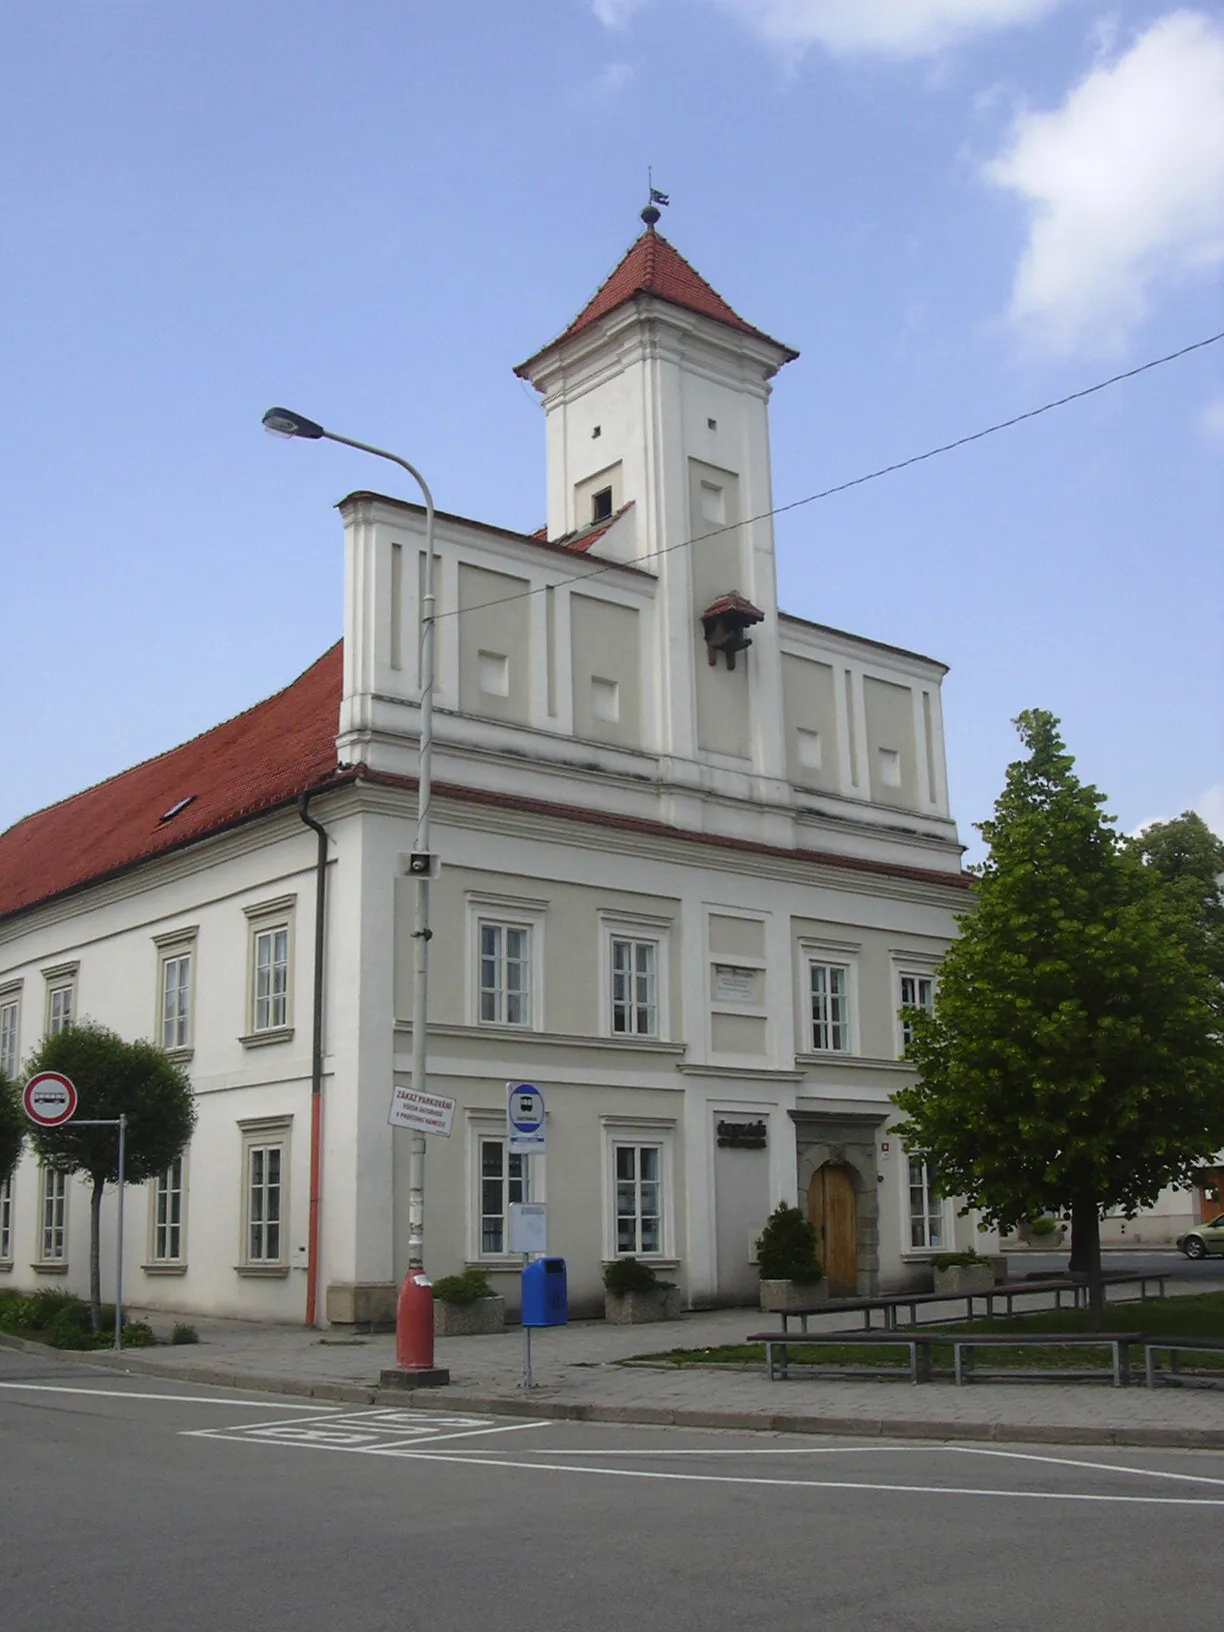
(414, 1343)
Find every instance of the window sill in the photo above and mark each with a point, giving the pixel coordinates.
(508, 1263)
(264, 1039)
(655, 1260)
(179, 1056)
(49, 1269)
(6, 1266)
(263, 1272)
(164, 1269)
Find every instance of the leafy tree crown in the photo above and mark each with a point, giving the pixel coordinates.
(114, 1077)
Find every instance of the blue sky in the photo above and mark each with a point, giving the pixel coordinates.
(955, 209)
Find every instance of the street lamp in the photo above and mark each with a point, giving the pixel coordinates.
(414, 1343)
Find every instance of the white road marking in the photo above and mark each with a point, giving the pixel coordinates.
(379, 1432)
(819, 1484)
(181, 1399)
(1072, 1462)
(750, 1450)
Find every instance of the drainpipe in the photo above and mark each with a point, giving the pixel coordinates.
(316, 1067)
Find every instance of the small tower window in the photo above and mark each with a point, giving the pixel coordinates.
(601, 504)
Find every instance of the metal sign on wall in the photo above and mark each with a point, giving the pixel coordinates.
(426, 1113)
(741, 1135)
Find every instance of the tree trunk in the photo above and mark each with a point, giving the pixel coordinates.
(1086, 1254)
(95, 1267)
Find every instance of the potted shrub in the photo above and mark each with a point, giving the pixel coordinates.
(791, 1276)
(963, 1272)
(633, 1293)
(1042, 1230)
(467, 1306)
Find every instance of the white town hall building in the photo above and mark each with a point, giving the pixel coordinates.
(685, 884)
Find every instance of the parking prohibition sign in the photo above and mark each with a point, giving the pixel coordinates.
(49, 1099)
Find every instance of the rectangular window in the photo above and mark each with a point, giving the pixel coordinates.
(9, 1012)
(638, 1173)
(503, 1179)
(168, 1214)
(917, 992)
(505, 974)
(270, 1008)
(53, 1210)
(176, 1000)
(6, 1220)
(830, 987)
(264, 1203)
(926, 1209)
(59, 1009)
(635, 1000)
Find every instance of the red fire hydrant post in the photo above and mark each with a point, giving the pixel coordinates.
(414, 1337)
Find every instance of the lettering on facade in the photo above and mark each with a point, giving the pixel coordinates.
(741, 1135)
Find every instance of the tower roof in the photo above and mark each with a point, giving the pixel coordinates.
(652, 266)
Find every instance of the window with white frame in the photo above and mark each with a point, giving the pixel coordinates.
(829, 991)
(265, 1195)
(638, 1190)
(504, 974)
(6, 1221)
(917, 992)
(10, 1035)
(52, 1216)
(61, 1001)
(175, 993)
(926, 1209)
(503, 1178)
(166, 1245)
(635, 986)
(270, 989)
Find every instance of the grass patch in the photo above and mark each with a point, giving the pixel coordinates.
(1200, 1316)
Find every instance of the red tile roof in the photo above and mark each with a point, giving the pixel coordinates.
(252, 763)
(652, 266)
(580, 542)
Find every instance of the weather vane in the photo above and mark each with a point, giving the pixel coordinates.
(651, 214)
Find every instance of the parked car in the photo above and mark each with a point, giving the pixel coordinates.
(1197, 1243)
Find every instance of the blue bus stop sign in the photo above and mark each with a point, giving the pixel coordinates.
(524, 1119)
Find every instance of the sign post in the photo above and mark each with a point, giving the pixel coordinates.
(526, 1137)
(50, 1099)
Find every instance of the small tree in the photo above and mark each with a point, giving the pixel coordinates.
(112, 1078)
(13, 1125)
(787, 1248)
(1072, 1060)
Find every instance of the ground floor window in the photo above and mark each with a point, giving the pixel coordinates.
(168, 1214)
(926, 1209)
(638, 1173)
(53, 1214)
(504, 1179)
(6, 1220)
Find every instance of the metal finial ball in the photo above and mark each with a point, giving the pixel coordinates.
(650, 215)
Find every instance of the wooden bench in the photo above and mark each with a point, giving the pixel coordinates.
(918, 1343)
(1177, 1346)
(1118, 1342)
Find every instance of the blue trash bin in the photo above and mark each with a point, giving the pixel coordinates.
(545, 1301)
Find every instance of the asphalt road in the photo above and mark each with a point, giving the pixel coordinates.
(1129, 1262)
(139, 1504)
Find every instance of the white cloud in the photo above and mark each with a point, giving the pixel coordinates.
(1125, 183)
(889, 28)
(613, 78)
(615, 14)
(1212, 422)
(1211, 808)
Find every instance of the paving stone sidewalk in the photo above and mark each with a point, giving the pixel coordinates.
(577, 1374)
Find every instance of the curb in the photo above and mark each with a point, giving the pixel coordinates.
(764, 1422)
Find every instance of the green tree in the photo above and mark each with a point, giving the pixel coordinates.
(113, 1077)
(1189, 860)
(13, 1125)
(1072, 1060)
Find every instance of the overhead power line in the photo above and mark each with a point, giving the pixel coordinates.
(855, 481)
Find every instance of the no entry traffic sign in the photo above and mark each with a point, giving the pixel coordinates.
(49, 1099)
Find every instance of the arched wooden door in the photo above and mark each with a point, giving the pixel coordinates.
(833, 1208)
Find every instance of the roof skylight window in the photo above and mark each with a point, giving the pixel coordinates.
(174, 809)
